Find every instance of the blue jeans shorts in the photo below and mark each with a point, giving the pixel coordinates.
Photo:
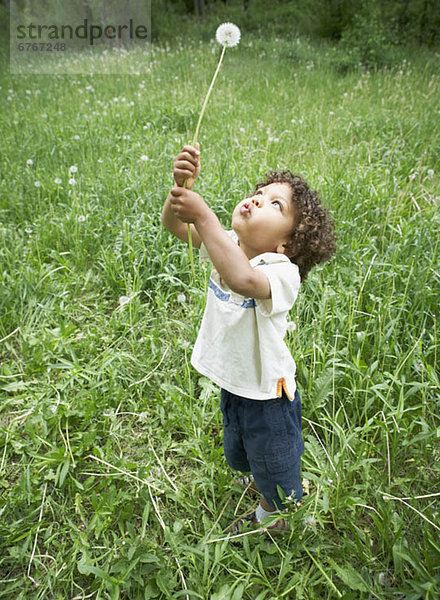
(264, 437)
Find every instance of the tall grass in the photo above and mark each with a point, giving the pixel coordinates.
(112, 473)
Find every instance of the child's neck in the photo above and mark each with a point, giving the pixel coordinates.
(251, 252)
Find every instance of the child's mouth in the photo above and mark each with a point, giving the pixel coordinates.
(245, 208)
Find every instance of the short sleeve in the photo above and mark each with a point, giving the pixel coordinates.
(284, 283)
(203, 252)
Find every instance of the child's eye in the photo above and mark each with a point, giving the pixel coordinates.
(258, 193)
(278, 203)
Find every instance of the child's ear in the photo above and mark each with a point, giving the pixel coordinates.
(281, 248)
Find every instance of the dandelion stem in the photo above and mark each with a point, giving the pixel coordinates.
(196, 135)
(202, 112)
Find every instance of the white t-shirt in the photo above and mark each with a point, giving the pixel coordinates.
(240, 345)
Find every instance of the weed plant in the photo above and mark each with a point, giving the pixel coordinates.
(112, 475)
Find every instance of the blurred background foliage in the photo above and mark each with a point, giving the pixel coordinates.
(365, 31)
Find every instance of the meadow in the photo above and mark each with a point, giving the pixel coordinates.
(112, 476)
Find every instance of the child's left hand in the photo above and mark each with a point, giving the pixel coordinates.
(187, 205)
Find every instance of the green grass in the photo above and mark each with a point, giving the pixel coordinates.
(112, 473)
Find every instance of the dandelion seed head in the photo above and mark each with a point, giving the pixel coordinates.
(29, 162)
(291, 326)
(310, 521)
(81, 218)
(144, 157)
(181, 298)
(228, 34)
(37, 183)
(124, 300)
(73, 169)
(430, 172)
(72, 181)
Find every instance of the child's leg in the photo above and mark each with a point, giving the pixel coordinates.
(235, 452)
(273, 443)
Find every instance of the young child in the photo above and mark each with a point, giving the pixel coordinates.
(278, 234)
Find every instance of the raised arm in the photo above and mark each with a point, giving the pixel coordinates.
(186, 168)
(177, 227)
(228, 258)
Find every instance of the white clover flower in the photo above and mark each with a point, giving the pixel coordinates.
(29, 162)
(37, 183)
(124, 300)
(181, 298)
(57, 180)
(72, 181)
(28, 230)
(81, 218)
(228, 34)
(73, 169)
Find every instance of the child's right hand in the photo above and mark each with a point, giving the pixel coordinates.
(186, 166)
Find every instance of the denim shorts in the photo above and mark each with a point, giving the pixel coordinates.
(264, 437)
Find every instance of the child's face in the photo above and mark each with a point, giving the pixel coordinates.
(263, 223)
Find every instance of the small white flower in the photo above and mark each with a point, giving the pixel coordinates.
(72, 181)
(81, 219)
(228, 34)
(73, 169)
(291, 325)
(57, 180)
(181, 298)
(124, 300)
(144, 157)
(430, 172)
(76, 137)
(29, 162)
(100, 160)
(44, 116)
(37, 183)
(28, 230)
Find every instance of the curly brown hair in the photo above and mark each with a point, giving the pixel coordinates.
(313, 238)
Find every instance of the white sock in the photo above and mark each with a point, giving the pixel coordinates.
(261, 514)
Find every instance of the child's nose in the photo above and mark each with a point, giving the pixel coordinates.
(255, 201)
